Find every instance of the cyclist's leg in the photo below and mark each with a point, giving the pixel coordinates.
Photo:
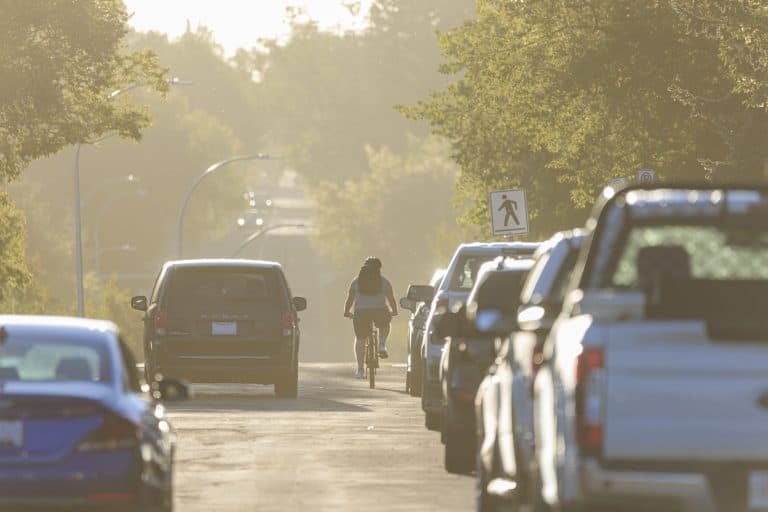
(383, 320)
(363, 325)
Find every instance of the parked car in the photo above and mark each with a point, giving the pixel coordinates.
(454, 289)
(653, 389)
(417, 301)
(471, 349)
(76, 429)
(504, 408)
(222, 320)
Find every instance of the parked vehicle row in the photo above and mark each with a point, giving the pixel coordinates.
(628, 370)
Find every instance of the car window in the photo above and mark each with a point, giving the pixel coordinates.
(466, 271)
(201, 288)
(61, 360)
(697, 252)
(500, 290)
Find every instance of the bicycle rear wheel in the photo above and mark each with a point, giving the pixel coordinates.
(373, 358)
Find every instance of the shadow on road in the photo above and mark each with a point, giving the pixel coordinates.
(217, 403)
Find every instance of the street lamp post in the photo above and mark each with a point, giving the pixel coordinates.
(78, 220)
(263, 232)
(210, 170)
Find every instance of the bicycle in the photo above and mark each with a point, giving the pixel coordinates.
(372, 356)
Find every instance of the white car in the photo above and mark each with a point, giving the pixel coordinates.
(654, 389)
(454, 289)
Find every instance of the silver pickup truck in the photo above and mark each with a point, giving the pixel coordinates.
(654, 389)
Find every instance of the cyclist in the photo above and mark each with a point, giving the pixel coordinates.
(369, 293)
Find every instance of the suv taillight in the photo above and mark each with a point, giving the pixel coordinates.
(287, 323)
(161, 320)
(590, 383)
(113, 433)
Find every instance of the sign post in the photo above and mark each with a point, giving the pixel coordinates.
(509, 212)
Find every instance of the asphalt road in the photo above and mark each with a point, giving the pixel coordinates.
(339, 446)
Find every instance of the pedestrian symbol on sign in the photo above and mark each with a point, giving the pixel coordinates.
(509, 206)
(509, 212)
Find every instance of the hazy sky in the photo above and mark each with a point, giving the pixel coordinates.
(238, 23)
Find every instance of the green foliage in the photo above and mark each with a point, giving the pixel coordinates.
(398, 211)
(59, 61)
(560, 97)
(14, 274)
(325, 97)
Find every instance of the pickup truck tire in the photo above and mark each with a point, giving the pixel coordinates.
(459, 451)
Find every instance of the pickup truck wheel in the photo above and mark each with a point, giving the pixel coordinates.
(459, 451)
(408, 382)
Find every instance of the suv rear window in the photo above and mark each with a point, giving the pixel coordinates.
(501, 290)
(465, 274)
(202, 287)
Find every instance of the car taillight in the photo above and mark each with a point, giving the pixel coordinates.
(287, 323)
(161, 320)
(590, 383)
(462, 395)
(113, 433)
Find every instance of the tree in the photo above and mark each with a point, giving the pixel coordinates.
(324, 97)
(555, 95)
(368, 215)
(60, 61)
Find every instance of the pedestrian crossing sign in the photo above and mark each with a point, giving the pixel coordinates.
(509, 212)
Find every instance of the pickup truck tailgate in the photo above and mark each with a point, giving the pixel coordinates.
(672, 393)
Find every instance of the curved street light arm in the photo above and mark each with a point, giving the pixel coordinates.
(261, 233)
(210, 170)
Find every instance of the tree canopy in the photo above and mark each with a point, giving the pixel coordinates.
(557, 95)
(59, 62)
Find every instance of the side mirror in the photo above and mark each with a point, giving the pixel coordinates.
(408, 304)
(170, 390)
(420, 293)
(299, 303)
(139, 303)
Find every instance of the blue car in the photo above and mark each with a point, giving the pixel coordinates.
(78, 431)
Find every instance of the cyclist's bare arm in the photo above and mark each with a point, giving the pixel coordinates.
(350, 301)
(392, 302)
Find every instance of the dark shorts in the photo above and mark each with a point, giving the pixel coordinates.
(364, 320)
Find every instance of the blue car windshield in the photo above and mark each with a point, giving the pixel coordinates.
(35, 360)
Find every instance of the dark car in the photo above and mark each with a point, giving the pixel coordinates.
(417, 300)
(504, 406)
(470, 350)
(78, 431)
(223, 320)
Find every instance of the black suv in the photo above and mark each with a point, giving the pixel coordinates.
(223, 320)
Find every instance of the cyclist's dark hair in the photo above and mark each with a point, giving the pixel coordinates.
(369, 280)
(373, 261)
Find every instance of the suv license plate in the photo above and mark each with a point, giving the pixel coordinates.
(224, 328)
(758, 490)
(11, 434)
